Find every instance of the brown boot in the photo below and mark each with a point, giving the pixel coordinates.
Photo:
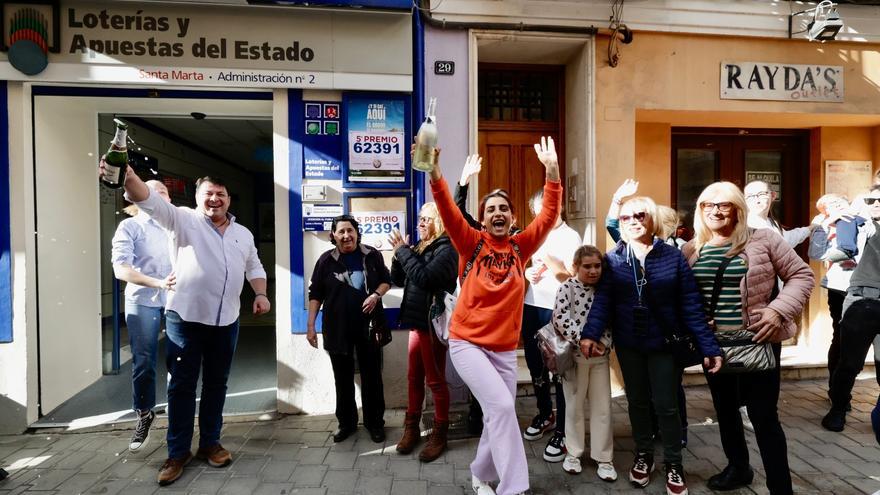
(411, 433)
(437, 443)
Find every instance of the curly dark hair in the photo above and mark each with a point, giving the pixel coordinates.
(345, 218)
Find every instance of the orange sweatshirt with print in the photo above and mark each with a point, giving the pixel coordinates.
(490, 305)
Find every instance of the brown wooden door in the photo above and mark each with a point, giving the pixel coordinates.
(518, 104)
(510, 163)
(780, 157)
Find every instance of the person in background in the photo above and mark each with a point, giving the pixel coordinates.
(747, 299)
(760, 198)
(546, 274)
(201, 317)
(348, 282)
(861, 312)
(591, 377)
(140, 258)
(669, 225)
(829, 244)
(425, 271)
(485, 324)
(647, 290)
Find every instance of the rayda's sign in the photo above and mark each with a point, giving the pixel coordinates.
(781, 82)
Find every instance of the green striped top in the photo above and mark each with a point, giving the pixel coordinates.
(728, 312)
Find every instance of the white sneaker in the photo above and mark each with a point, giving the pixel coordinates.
(571, 465)
(481, 487)
(606, 472)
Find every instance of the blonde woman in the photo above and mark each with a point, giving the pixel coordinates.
(424, 271)
(647, 290)
(747, 299)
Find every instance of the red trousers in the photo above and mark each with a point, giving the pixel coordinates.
(427, 363)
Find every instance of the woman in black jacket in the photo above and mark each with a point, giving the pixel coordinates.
(425, 271)
(349, 282)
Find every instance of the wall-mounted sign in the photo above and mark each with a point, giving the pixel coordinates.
(444, 67)
(318, 218)
(847, 177)
(376, 140)
(156, 43)
(782, 82)
(321, 141)
(772, 179)
(376, 226)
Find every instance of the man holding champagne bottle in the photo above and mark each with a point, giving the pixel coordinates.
(211, 256)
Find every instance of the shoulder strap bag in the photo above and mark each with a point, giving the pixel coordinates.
(741, 354)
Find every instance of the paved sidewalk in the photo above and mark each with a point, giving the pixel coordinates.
(295, 455)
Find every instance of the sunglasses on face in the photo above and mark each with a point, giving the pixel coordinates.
(723, 207)
(870, 201)
(637, 216)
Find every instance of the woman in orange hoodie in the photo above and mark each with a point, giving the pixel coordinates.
(486, 322)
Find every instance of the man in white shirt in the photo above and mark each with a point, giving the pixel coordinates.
(212, 255)
(549, 269)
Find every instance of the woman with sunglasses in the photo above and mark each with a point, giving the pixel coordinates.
(348, 282)
(647, 291)
(747, 299)
(486, 321)
(425, 271)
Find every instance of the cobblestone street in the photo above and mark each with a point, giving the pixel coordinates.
(295, 455)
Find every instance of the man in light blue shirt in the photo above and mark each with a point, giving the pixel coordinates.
(212, 255)
(140, 258)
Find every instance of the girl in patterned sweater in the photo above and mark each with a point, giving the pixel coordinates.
(591, 376)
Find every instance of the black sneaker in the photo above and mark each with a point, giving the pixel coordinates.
(141, 436)
(555, 450)
(539, 425)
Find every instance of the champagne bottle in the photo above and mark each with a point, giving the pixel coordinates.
(426, 140)
(116, 159)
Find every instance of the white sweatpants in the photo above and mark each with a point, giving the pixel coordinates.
(591, 379)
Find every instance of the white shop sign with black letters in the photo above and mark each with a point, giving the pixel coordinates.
(781, 82)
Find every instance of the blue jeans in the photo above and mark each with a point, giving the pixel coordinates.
(144, 324)
(191, 347)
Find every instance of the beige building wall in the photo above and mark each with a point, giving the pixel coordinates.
(666, 80)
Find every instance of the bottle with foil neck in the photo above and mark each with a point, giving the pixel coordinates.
(116, 159)
(426, 140)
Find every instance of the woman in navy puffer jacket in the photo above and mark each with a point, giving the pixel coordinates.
(646, 289)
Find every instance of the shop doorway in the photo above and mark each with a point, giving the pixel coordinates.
(517, 105)
(779, 157)
(84, 363)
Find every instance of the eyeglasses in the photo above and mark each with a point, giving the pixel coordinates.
(723, 207)
(870, 201)
(637, 216)
(762, 194)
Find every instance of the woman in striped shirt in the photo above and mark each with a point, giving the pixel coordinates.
(747, 299)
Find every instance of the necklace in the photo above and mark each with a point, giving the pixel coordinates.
(225, 221)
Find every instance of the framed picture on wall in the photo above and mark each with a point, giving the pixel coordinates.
(376, 135)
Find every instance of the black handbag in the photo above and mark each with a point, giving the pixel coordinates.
(379, 331)
(741, 354)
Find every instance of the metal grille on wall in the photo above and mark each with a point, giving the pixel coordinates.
(511, 95)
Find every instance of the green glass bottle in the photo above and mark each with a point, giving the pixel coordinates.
(116, 159)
